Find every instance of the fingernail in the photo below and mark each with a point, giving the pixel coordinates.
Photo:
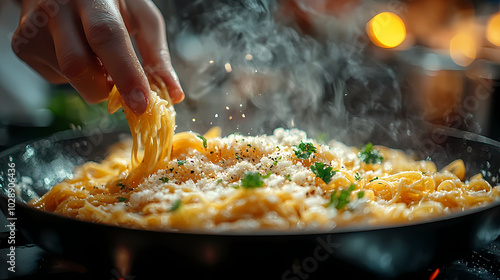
(136, 100)
(177, 95)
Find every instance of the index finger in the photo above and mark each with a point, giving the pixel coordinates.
(108, 38)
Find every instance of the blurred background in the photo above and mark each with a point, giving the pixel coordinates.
(335, 68)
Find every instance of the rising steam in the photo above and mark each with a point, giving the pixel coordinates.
(246, 67)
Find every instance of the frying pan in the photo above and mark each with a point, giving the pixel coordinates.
(379, 252)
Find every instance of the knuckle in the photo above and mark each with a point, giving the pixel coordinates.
(104, 31)
(19, 44)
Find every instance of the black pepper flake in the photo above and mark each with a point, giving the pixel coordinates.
(192, 171)
(171, 169)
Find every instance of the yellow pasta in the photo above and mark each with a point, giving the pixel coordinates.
(284, 181)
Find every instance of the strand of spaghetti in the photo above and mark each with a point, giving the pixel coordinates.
(152, 131)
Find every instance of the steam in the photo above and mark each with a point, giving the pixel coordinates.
(247, 69)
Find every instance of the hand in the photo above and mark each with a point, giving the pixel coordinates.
(88, 44)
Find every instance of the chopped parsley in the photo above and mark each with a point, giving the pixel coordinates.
(275, 162)
(122, 199)
(253, 180)
(287, 176)
(304, 150)
(423, 173)
(325, 174)
(164, 179)
(176, 205)
(361, 194)
(357, 176)
(368, 155)
(204, 141)
(181, 162)
(219, 181)
(268, 175)
(376, 178)
(249, 145)
(121, 185)
(341, 200)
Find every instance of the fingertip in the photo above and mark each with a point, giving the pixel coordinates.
(136, 100)
(173, 86)
(176, 95)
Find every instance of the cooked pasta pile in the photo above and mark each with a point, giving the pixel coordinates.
(282, 181)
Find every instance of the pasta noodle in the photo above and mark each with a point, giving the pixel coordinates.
(279, 182)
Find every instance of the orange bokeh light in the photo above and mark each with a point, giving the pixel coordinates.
(493, 29)
(386, 30)
(463, 48)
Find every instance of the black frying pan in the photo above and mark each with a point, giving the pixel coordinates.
(382, 252)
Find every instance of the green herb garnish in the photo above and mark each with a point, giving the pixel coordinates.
(287, 176)
(304, 150)
(181, 162)
(376, 178)
(176, 205)
(325, 174)
(368, 155)
(361, 194)
(122, 199)
(253, 180)
(204, 141)
(121, 185)
(341, 200)
(219, 181)
(357, 176)
(164, 179)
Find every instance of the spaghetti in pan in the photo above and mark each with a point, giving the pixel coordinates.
(285, 181)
